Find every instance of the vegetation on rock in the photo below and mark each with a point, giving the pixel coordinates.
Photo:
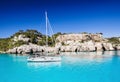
(114, 40)
(38, 38)
(34, 36)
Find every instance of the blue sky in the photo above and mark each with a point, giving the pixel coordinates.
(65, 16)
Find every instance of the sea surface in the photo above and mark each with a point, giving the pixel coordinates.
(74, 67)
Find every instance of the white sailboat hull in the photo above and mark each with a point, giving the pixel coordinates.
(44, 59)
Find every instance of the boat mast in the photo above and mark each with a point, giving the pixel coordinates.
(46, 18)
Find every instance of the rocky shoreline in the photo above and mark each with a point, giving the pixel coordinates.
(32, 48)
(70, 43)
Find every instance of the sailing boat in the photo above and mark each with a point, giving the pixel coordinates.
(46, 57)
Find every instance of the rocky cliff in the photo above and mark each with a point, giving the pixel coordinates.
(84, 42)
(70, 43)
(30, 48)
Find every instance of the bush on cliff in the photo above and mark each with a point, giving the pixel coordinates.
(4, 44)
(7, 43)
(114, 40)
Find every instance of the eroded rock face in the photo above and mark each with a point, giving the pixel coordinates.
(90, 45)
(80, 42)
(83, 42)
(79, 37)
(71, 43)
(117, 47)
(76, 47)
(26, 49)
(108, 46)
(21, 38)
(12, 51)
(98, 46)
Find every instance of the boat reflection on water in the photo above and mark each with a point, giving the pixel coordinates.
(44, 64)
(98, 53)
(88, 57)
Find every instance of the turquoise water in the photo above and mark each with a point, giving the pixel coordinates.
(75, 68)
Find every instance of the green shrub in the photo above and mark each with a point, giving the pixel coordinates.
(114, 40)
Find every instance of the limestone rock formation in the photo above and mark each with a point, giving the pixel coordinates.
(99, 46)
(117, 47)
(108, 46)
(83, 42)
(79, 37)
(21, 38)
(26, 49)
(70, 43)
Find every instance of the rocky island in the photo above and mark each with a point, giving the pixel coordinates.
(32, 41)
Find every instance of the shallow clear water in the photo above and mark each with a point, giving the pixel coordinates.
(75, 68)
